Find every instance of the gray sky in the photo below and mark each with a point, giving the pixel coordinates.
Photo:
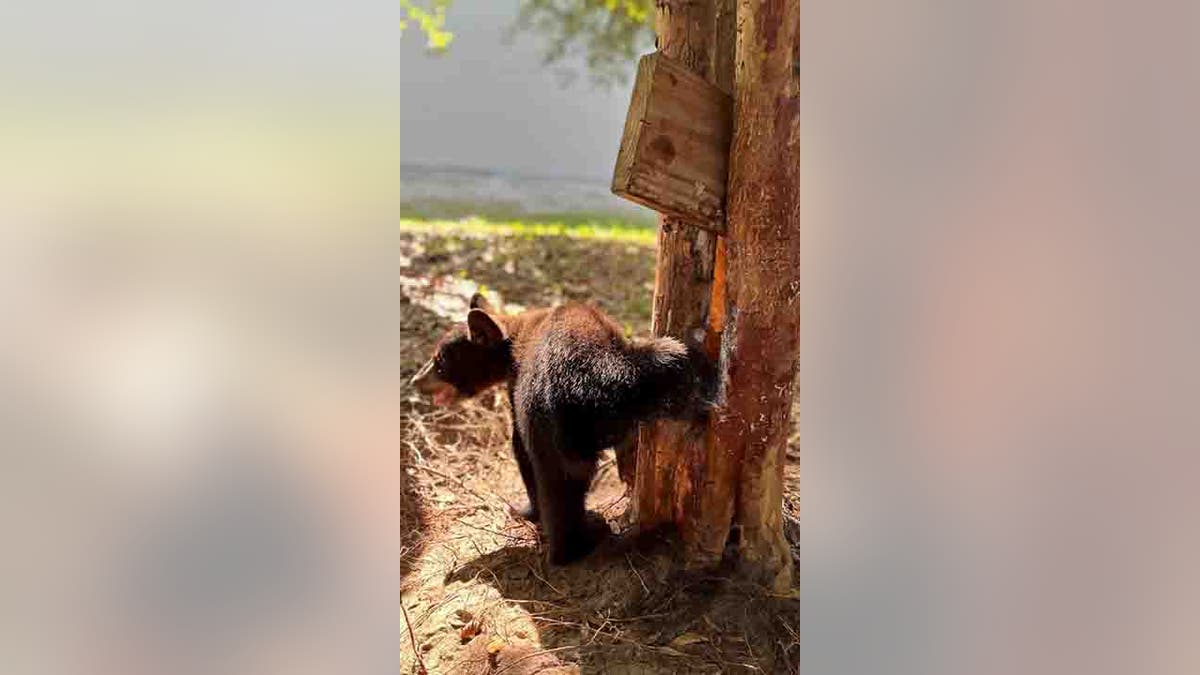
(485, 104)
(309, 44)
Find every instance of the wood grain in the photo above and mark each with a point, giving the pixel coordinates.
(674, 153)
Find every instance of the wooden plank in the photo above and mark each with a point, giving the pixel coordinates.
(674, 153)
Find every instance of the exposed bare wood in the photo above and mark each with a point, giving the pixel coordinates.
(675, 149)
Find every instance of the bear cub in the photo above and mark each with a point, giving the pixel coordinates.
(576, 385)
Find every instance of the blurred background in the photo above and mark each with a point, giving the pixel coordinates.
(204, 209)
(198, 207)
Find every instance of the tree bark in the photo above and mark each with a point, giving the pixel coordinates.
(761, 345)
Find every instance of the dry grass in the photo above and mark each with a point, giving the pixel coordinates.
(477, 594)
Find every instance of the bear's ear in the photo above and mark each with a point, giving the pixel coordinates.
(478, 301)
(483, 329)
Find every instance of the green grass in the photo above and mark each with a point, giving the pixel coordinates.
(579, 226)
(501, 211)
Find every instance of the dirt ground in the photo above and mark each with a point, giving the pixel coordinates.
(476, 593)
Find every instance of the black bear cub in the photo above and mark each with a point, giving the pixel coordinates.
(576, 386)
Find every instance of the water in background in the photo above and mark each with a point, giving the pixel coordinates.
(448, 191)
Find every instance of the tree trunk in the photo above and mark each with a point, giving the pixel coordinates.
(761, 346)
(738, 294)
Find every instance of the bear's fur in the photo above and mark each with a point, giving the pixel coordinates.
(576, 386)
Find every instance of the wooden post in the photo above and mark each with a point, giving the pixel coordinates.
(674, 154)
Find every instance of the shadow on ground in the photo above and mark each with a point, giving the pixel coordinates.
(628, 608)
(419, 328)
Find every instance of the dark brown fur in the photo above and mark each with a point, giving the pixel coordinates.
(576, 386)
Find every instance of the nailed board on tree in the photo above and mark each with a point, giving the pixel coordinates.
(674, 155)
